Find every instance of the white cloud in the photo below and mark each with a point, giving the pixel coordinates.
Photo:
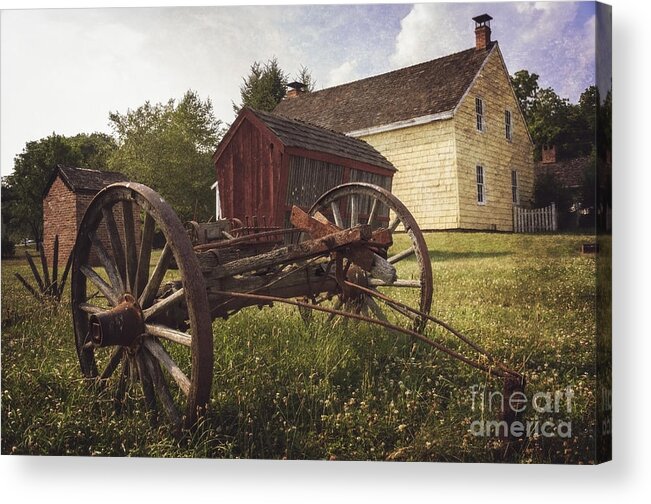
(345, 72)
(430, 31)
(542, 37)
(64, 70)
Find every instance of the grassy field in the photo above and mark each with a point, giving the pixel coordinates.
(283, 389)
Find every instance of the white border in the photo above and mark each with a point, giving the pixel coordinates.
(46, 479)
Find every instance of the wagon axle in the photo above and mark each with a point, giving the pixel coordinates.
(121, 325)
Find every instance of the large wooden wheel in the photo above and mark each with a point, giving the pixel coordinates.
(357, 203)
(141, 318)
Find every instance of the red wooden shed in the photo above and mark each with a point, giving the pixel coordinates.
(266, 163)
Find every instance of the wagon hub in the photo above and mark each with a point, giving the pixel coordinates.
(119, 326)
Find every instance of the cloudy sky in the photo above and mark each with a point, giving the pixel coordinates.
(64, 70)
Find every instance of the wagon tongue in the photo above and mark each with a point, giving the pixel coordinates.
(119, 326)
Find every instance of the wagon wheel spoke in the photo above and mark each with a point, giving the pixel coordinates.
(146, 384)
(113, 363)
(394, 224)
(131, 257)
(109, 293)
(354, 210)
(108, 263)
(371, 215)
(336, 214)
(164, 304)
(121, 388)
(400, 282)
(375, 309)
(402, 255)
(116, 243)
(401, 310)
(166, 361)
(146, 242)
(338, 304)
(162, 391)
(169, 334)
(150, 290)
(90, 308)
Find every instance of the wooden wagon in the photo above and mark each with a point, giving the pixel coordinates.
(145, 321)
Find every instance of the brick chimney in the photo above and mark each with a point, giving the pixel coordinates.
(482, 31)
(548, 154)
(295, 89)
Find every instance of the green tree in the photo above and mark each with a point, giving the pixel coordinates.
(526, 90)
(22, 191)
(304, 76)
(266, 85)
(169, 146)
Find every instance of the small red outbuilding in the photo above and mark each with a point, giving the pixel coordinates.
(266, 163)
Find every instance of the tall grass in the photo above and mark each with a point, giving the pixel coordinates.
(346, 391)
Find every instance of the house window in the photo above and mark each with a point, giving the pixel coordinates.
(514, 187)
(481, 190)
(508, 129)
(479, 109)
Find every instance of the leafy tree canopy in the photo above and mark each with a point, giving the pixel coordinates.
(22, 191)
(168, 146)
(266, 84)
(553, 120)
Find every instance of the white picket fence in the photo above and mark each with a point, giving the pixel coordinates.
(535, 220)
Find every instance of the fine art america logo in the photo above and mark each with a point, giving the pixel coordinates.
(549, 419)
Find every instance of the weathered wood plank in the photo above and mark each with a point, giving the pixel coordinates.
(163, 304)
(103, 287)
(116, 243)
(142, 272)
(157, 350)
(46, 271)
(35, 272)
(169, 334)
(107, 262)
(149, 292)
(131, 257)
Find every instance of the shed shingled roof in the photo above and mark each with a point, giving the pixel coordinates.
(84, 179)
(420, 90)
(295, 133)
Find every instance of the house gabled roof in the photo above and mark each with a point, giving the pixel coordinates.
(427, 89)
(303, 135)
(84, 180)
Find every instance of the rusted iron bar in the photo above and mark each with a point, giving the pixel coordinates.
(445, 325)
(500, 373)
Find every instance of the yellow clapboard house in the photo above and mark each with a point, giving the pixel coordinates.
(452, 127)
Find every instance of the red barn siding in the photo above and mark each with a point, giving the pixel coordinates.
(254, 168)
(248, 174)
